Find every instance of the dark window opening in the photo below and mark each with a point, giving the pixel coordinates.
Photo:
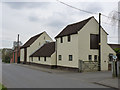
(90, 57)
(70, 58)
(94, 41)
(61, 39)
(60, 57)
(69, 38)
(95, 58)
(44, 58)
(39, 58)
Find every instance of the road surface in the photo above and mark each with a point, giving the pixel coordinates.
(17, 76)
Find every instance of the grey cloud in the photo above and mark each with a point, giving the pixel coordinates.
(57, 20)
(6, 43)
(94, 7)
(33, 18)
(56, 23)
(20, 5)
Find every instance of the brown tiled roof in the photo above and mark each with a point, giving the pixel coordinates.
(31, 40)
(45, 51)
(73, 28)
(113, 46)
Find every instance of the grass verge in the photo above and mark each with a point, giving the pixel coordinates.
(2, 87)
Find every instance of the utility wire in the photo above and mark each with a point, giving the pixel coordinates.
(110, 17)
(85, 10)
(90, 13)
(110, 24)
(76, 8)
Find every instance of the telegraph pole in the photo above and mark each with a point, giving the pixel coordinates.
(17, 48)
(99, 59)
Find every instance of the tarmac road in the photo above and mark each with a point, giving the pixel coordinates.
(17, 76)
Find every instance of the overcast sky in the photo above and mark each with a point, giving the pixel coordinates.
(31, 18)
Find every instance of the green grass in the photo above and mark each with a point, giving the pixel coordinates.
(2, 87)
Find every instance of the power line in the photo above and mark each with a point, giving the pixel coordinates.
(110, 24)
(110, 17)
(85, 10)
(76, 8)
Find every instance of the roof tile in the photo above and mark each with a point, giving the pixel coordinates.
(45, 51)
(73, 28)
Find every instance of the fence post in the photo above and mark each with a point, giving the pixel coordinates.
(80, 65)
(114, 68)
(118, 69)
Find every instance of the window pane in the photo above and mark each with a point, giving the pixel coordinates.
(90, 57)
(60, 57)
(70, 57)
(69, 38)
(94, 41)
(44, 58)
(95, 58)
(39, 58)
(61, 39)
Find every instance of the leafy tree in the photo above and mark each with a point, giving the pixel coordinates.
(117, 50)
(6, 55)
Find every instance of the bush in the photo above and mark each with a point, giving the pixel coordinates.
(117, 50)
(6, 55)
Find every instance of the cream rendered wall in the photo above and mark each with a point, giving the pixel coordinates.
(28, 54)
(105, 51)
(37, 44)
(80, 47)
(49, 60)
(53, 59)
(92, 27)
(84, 40)
(68, 48)
(22, 54)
